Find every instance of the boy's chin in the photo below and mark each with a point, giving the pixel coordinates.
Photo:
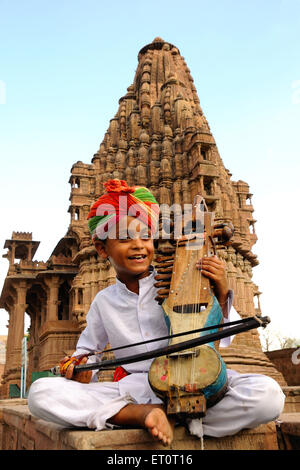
(137, 270)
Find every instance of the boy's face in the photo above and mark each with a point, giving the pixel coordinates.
(130, 257)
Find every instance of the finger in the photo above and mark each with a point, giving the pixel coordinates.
(66, 358)
(211, 262)
(69, 371)
(90, 373)
(85, 377)
(212, 258)
(211, 269)
(209, 274)
(80, 377)
(216, 270)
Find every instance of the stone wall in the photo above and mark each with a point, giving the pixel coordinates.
(287, 361)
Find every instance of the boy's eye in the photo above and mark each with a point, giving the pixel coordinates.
(145, 234)
(125, 237)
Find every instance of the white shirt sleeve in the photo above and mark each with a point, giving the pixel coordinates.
(232, 316)
(93, 338)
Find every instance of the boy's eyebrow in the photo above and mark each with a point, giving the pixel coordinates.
(147, 233)
(142, 234)
(123, 233)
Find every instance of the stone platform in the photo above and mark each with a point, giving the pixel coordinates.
(288, 431)
(19, 430)
(292, 400)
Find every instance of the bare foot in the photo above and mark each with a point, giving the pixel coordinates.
(151, 417)
(159, 426)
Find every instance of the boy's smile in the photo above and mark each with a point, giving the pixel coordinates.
(138, 258)
(131, 257)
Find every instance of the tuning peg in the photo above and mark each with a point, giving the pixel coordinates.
(162, 284)
(223, 232)
(162, 277)
(161, 258)
(161, 298)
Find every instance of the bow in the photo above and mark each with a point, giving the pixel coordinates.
(240, 326)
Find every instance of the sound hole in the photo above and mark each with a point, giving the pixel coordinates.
(190, 308)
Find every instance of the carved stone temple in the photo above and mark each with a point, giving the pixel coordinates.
(159, 137)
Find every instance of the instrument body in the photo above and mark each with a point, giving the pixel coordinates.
(193, 379)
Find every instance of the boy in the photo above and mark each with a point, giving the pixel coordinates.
(126, 313)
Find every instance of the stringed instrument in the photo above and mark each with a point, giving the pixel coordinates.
(189, 381)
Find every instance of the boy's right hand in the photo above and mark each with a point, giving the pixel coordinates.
(67, 365)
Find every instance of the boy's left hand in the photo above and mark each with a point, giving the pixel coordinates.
(67, 365)
(215, 269)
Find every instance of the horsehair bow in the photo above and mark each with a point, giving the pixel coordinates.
(240, 327)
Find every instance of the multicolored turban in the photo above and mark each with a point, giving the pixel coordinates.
(120, 201)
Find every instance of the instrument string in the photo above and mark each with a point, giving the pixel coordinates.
(182, 320)
(197, 313)
(196, 305)
(190, 309)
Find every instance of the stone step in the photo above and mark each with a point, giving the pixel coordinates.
(288, 430)
(20, 430)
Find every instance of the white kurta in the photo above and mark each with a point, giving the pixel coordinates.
(121, 317)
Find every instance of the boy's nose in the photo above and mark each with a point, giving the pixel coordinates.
(137, 242)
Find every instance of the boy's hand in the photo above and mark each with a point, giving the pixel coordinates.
(215, 269)
(67, 365)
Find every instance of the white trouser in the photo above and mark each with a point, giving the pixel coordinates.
(251, 400)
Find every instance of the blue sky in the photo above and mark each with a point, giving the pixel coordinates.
(65, 64)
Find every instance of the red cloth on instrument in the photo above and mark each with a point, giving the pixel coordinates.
(119, 374)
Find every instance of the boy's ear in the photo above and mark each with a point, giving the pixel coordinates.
(101, 249)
